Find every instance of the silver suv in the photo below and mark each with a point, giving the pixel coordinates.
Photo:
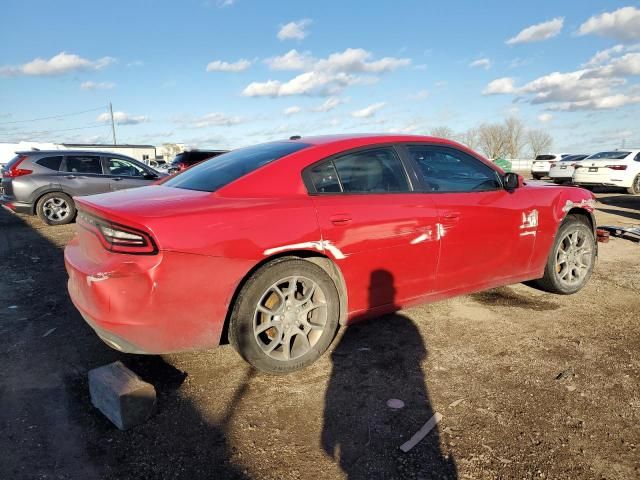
(45, 182)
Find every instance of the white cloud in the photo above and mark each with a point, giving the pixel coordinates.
(545, 117)
(308, 83)
(328, 105)
(369, 111)
(122, 118)
(622, 24)
(421, 95)
(225, 3)
(57, 65)
(500, 86)
(220, 66)
(599, 85)
(597, 103)
(214, 119)
(481, 63)
(292, 110)
(294, 30)
(441, 84)
(89, 85)
(324, 76)
(292, 60)
(538, 32)
(356, 60)
(135, 63)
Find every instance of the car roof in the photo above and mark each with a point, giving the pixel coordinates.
(70, 152)
(367, 137)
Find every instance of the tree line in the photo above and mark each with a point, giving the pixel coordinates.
(508, 139)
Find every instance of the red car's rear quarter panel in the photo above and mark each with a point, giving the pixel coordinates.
(178, 299)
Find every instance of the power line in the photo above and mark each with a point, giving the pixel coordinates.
(31, 135)
(53, 116)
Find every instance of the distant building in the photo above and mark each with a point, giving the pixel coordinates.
(144, 153)
(8, 150)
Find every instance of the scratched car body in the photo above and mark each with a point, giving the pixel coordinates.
(273, 247)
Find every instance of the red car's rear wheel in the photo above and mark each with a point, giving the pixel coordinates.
(285, 316)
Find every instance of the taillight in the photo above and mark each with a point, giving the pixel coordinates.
(14, 171)
(552, 165)
(617, 167)
(117, 238)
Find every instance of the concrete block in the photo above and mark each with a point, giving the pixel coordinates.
(121, 395)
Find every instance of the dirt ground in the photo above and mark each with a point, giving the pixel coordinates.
(529, 385)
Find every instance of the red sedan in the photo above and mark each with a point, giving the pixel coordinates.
(272, 247)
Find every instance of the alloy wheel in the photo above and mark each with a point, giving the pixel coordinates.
(290, 317)
(574, 257)
(56, 209)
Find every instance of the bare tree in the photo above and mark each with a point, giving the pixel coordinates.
(514, 132)
(492, 140)
(470, 138)
(539, 141)
(442, 132)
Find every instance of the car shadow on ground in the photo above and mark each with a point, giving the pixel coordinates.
(631, 202)
(621, 213)
(360, 431)
(50, 429)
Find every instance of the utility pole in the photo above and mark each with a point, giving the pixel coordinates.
(113, 125)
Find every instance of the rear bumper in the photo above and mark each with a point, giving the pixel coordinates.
(600, 179)
(152, 304)
(10, 203)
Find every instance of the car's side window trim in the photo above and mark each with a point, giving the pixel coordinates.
(407, 158)
(311, 188)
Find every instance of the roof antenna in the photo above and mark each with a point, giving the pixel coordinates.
(295, 137)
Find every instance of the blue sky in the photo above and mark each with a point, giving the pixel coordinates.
(278, 68)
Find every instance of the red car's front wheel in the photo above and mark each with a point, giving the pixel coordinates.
(571, 259)
(285, 316)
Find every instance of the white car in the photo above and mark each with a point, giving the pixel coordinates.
(615, 168)
(561, 171)
(542, 164)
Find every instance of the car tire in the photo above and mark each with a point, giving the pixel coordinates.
(634, 189)
(571, 259)
(277, 329)
(537, 177)
(56, 208)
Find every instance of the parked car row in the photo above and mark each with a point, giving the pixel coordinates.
(614, 168)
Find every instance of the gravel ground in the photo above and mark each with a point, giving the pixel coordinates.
(529, 385)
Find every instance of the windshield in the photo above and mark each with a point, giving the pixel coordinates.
(209, 176)
(573, 158)
(609, 155)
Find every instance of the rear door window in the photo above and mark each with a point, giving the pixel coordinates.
(378, 170)
(52, 163)
(83, 164)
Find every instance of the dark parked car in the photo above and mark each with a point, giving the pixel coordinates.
(188, 158)
(45, 182)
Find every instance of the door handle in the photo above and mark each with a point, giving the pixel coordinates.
(117, 179)
(340, 219)
(70, 177)
(451, 216)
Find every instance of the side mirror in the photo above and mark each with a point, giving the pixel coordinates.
(511, 181)
(150, 176)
